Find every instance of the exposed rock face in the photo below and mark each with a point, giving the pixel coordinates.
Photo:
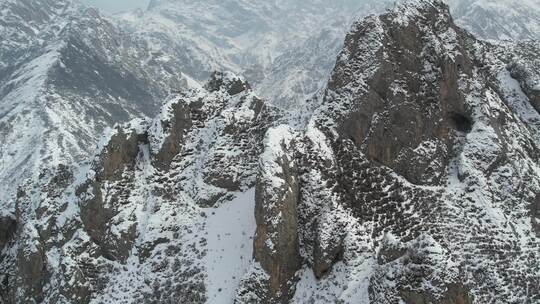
(409, 109)
(97, 210)
(175, 127)
(536, 214)
(455, 294)
(408, 169)
(415, 180)
(8, 226)
(277, 194)
(234, 86)
(136, 211)
(119, 155)
(413, 101)
(523, 66)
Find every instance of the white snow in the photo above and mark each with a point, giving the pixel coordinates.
(277, 140)
(230, 229)
(319, 140)
(347, 284)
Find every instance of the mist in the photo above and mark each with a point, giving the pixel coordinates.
(115, 6)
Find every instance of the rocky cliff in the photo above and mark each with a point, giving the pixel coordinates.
(67, 73)
(140, 207)
(416, 179)
(418, 174)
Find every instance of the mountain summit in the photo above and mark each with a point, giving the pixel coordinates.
(415, 179)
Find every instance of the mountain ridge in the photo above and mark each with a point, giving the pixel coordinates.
(71, 77)
(414, 178)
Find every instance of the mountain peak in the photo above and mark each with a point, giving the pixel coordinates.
(228, 82)
(407, 10)
(413, 177)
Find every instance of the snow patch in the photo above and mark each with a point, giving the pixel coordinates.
(230, 229)
(276, 143)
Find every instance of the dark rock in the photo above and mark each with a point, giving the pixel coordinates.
(119, 154)
(388, 124)
(97, 208)
(8, 227)
(455, 294)
(525, 77)
(231, 84)
(32, 272)
(95, 217)
(409, 98)
(536, 215)
(145, 251)
(276, 239)
(390, 250)
(176, 128)
(324, 257)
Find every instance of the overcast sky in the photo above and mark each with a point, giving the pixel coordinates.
(114, 6)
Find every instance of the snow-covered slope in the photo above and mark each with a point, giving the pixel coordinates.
(137, 222)
(416, 178)
(67, 73)
(285, 48)
(499, 19)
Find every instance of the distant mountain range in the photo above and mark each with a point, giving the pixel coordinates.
(277, 151)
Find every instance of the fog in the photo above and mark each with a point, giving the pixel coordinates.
(114, 6)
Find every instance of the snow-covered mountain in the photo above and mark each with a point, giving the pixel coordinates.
(285, 48)
(67, 73)
(135, 224)
(499, 19)
(415, 180)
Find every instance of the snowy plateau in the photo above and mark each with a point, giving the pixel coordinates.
(283, 151)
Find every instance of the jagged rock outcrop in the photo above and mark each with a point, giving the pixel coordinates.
(535, 211)
(523, 65)
(8, 226)
(175, 127)
(407, 130)
(416, 179)
(134, 219)
(276, 200)
(99, 205)
(411, 168)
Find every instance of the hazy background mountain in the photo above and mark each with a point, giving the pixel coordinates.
(115, 6)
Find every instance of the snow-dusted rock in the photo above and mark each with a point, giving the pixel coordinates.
(276, 239)
(66, 74)
(415, 178)
(412, 184)
(135, 222)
